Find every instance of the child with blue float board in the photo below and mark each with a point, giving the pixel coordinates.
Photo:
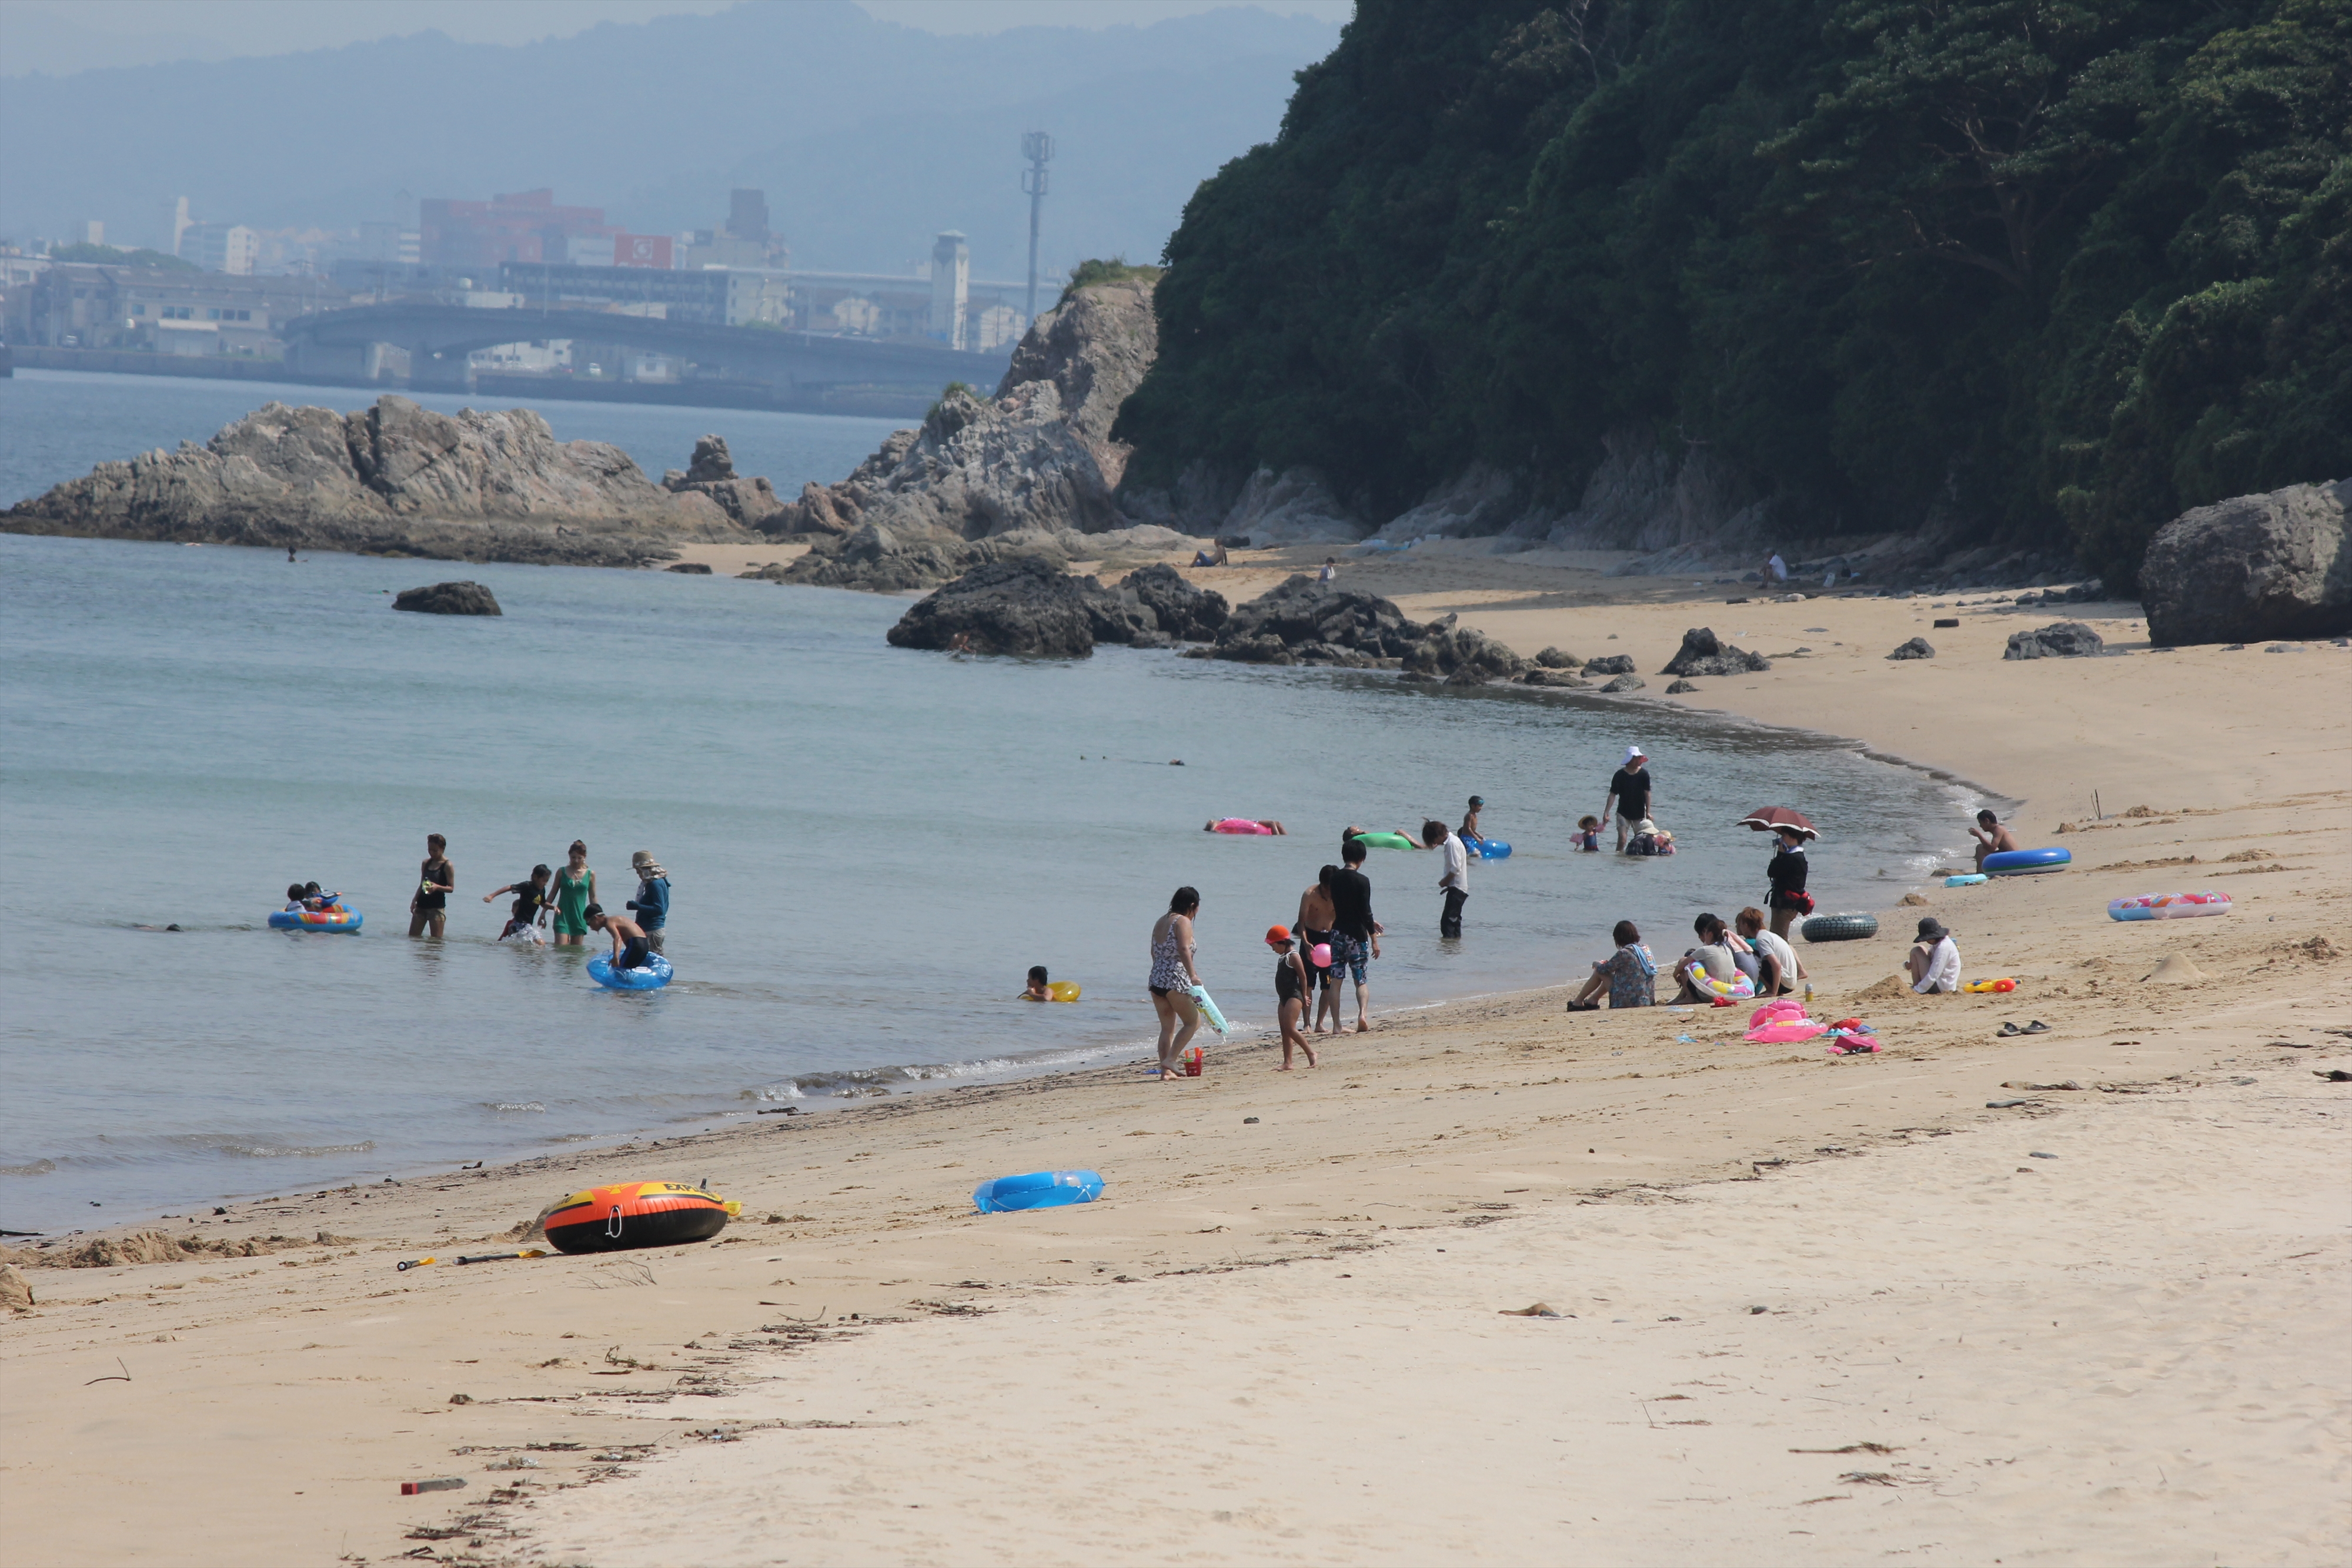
(1290, 993)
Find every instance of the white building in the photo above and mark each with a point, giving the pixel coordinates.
(950, 287)
(220, 247)
(997, 326)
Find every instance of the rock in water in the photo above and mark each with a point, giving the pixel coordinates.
(1917, 648)
(1628, 681)
(1553, 659)
(1305, 621)
(1614, 664)
(2252, 568)
(1184, 610)
(692, 567)
(449, 599)
(1702, 654)
(1022, 605)
(1462, 654)
(2059, 639)
(393, 479)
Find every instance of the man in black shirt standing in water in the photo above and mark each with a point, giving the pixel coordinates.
(1629, 792)
(1354, 931)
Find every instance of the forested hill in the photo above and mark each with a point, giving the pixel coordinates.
(2039, 267)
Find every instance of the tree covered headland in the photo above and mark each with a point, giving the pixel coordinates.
(2040, 266)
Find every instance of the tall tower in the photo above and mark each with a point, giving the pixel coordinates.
(1038, 147)
(950, 287)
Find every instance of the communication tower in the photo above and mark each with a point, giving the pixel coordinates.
(1038, 147)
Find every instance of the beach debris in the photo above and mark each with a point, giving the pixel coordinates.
(2005, 1104)
(518, 1462)
(122, 1376)
(2333, 1075)
(438, 1483)
(1249, 1121)
(2038, 1154)
(1850, 1447)
(2044, 1088)
(1536, 1309)
(1869, 1479)
(461, 1399)
(2176, 969)
(1757, 1311)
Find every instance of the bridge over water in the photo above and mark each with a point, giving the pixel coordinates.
(729, 365)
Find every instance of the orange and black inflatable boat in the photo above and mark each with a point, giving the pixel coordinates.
(637, 1214)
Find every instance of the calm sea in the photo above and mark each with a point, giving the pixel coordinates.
(869, 847)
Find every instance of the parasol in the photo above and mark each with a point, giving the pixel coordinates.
(1774, 818)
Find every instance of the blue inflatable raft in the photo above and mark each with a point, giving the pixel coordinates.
(1038, 1189)
(1487, 849)
(652, 977)
(2027, 862)
(315, 919)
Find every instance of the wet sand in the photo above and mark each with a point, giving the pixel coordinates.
(1282, 1340)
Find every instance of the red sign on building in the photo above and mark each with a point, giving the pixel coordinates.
(641, 250)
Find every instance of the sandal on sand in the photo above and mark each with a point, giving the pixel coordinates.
(2036, 1027)
(1584, 1007)
(2010, 1029)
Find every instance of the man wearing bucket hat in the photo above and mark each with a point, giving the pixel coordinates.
(652, 902)
(1933, 964)
(1629, 794)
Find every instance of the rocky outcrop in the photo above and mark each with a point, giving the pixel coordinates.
(393, 479)
(1183, 610)
(1917, 648)
(1017, 606)
(2255, 567)
(749, 503)
(881, 561)
(1614, 664)
(1462, 655)
(1703, 653)
(449, 599)
(1302, 621)
(1037, 456)
(2059, 639)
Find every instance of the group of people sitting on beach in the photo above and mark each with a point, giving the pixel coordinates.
(1745, 959)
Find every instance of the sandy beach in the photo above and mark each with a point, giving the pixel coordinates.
(2070, 1297)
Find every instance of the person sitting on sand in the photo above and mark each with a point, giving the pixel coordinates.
(1991, 837)
(523, 914)
(1268, 823)
(1588, 834)
(1778, 968)
(1291, 987)
(1212, 556)
(1037, 991)
(1933, 964)
(630, 948)
(1628, 975)
(1712, 956)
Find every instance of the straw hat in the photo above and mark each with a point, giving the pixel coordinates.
(646, 866)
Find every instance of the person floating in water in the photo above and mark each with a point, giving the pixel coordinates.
(1243, 825)
(530, 902)
(652, 902)
(1037, 991)
(630, 948)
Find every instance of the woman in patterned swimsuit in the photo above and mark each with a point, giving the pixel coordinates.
(1171, 975)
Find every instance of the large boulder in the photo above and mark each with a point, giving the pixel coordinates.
(1304, 614)
(1021, 605)
(449, 599)
(1181, 609)
(393, 479)
(1463, 655)
(750, 503)
(2059, 639)
(1703, 653)
(1614, 664)
(1917, 648)
(2252, 568)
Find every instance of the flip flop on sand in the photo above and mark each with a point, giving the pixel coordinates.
(2010, 1029)
(2036, 1027)
(1584, 1007)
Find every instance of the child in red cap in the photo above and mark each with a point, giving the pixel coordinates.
(1290, 993)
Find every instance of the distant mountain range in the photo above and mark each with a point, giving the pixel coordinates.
(869, 136)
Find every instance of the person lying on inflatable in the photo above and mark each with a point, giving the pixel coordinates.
(1709, 972)
(1261, 825)
(630, 948)
(1375, 839)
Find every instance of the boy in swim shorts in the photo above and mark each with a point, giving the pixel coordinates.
(630, 948)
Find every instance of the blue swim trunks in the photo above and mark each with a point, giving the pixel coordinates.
(1346, 957)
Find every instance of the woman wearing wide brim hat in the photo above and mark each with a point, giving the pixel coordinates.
(1933, 964)
(651, 906)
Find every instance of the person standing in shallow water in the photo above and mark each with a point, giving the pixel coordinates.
(574, 890)
(428, 907)
(1629, 794)
(1173, 975)
(651, 906)
(1313, 923)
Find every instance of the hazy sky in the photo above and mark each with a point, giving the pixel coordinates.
(64, 36)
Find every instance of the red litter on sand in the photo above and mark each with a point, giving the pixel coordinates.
(438, 1483)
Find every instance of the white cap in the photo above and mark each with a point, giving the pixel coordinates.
(1633, 751)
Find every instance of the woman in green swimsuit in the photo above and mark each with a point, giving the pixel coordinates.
(575, 890)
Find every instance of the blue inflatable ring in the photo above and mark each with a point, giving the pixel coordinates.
(653, 977)
(2027, 862)
(1487, 849)
(1038, 1189)
(315, 920)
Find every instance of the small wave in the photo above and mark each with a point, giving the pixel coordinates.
(515, 1105)
(39, 1167)
(291, 1151)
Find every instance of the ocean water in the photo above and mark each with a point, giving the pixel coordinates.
(868, 848)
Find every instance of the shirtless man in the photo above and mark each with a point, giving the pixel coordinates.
(630, 948)
(1314, 924)
(1991, 837)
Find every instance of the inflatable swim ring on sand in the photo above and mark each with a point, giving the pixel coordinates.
(1208, 1007)
(1061, 990)
(652, 977)
(637, 1214)
(1739, 988)
(1038, 1189)
(1386, 841)
(1243, 825)
(1838, 928)
(2027, 862)
(1966, 880)
(315, 919)
(1487, 849)
(1782, 1030)
(2168, 906)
